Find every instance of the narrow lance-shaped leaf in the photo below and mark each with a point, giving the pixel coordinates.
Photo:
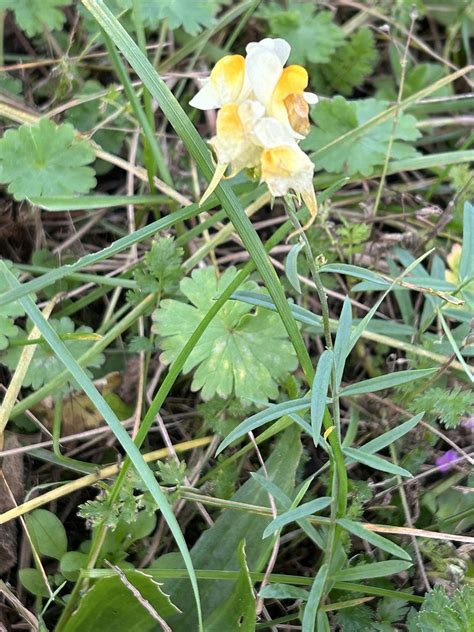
(358, 529)
(291, 266)
(269, 414)
(376, 462)
(343, 336)
(315, 595)
(389, 437)
(370, 571)
(385, 381)
(307, 509)
(319, 392)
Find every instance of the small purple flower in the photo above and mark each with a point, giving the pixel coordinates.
(445, 462)
(468, 423)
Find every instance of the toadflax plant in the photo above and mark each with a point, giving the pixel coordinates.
(263, 114)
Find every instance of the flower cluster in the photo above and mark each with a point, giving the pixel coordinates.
(263, 114)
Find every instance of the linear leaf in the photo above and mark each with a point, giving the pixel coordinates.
(387, 438)
(269, 414)
(319, 392)
(358, 529)
(369, 571)
(385, 381)
(343, 336)
(291, 266)
(466, 263)
(303, 511)
(315, 594)
(376, 462)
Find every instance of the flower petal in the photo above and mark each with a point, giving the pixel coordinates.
(225, 84)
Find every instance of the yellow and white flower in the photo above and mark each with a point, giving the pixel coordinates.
(281, 90)
(284, 165)
(263, 113)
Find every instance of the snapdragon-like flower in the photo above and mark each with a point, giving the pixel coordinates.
(263, 114)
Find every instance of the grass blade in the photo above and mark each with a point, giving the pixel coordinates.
(375, 462)
(63, 354)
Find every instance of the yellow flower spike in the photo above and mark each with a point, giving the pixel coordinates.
(226, 84)
(288, 103)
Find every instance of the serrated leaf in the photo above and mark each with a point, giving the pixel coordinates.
(47, 533)
(312, 34)
(441, 612)
(358, 619)
(355, 60)
(45, 365)
(375, 462)
(303, 511)
(240, 352)
(336, 117)
(45, 159)
(191, 16)
(110, 605)
(160, 272)
(34, 15)
(8, 313)
(358, 529)
(448, 406)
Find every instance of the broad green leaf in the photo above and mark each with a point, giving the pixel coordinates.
(110, 417)
(111, 605)
(315, 595)
(72, 563)
(47, 533)
(369, 571)
(387, 438)
(336, 117)
(33, 581)
(34, 15)
(239, 353)
(385, 381)
(216, 547)
(343, 336)
(319, 392)
(276, 411)
(291, 266)
(238, 611)
(358, 529)
(303, 511)
(45, 159)
(375, 462)
(312, 34)
(191, 16)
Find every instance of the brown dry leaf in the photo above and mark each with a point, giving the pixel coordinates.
(11, 476)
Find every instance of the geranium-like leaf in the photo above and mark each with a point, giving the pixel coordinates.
(34, 15)
(313, 36)
(45, 365)
(45, 159)
(357, 154)
(240, 352)
(8, 313)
